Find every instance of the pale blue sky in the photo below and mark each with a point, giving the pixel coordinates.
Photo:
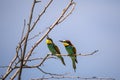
(94, 24)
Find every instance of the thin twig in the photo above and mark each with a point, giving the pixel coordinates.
(43, 60)
(53, 56)
(36, 21)
(73, 77)
(25, 38)
(38, 65)
(52, 74)
(34, 36)
(23, 29)
(50, 28)
(4, 66)
(73, 7)
(38, 34)
(50, 57)
(25, 43)
(88, 54)
(9, 69)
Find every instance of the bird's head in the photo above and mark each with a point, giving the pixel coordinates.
(65, 42)
(49, 40)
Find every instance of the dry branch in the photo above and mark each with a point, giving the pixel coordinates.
(51, 74)
(22, 46)
(22, 49)
(50, 56)
(41, 14)
(22, 57)
(78, 54)
(64, 17)
(73, 77)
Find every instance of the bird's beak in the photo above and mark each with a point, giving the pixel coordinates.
(61, 40)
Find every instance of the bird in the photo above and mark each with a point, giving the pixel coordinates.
(71, 52)
(54, 49)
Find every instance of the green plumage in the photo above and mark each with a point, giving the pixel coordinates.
(55, 50)
(71, 52)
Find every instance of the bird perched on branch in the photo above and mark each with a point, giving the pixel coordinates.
(54, 49)
(71, 52)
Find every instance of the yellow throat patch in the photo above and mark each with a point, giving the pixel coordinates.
(65, 44)
(48, 41)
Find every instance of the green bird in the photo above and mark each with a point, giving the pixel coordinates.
(54, 49)
(71, 52)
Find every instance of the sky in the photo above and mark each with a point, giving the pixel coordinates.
(93, 25)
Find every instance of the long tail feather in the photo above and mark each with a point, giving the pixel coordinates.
(73, 63)
(62, 60)
(76, 60)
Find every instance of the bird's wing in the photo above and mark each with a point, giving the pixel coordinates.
(74, 49)
(57, 49)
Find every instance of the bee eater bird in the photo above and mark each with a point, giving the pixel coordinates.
(54, 49)
(71, 51)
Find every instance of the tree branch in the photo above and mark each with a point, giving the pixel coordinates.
(53, 56)
(36, 21)
(73, 7)
(73, 77)
(24, 40)
(78, 54)
(51, 74)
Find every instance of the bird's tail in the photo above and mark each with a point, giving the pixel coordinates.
(62, 60)
(73, 63)
(76, 60)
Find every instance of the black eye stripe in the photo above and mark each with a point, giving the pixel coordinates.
(69, 43)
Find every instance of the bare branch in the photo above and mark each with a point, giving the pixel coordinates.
(90, 53)
(34, 36)
(50, 28)
(21, 48)
(73, 77)
(22, 56)
(25, 43)
(31, 13)
(70, 12)
(50, 57)
(53, 56)
(9, 69)
(50, 73)
(78, 54)
(23, 29)
(38, 34)
(41, 15)
(4, 66)
(18, 48)
(43, 60)
(37, 1)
